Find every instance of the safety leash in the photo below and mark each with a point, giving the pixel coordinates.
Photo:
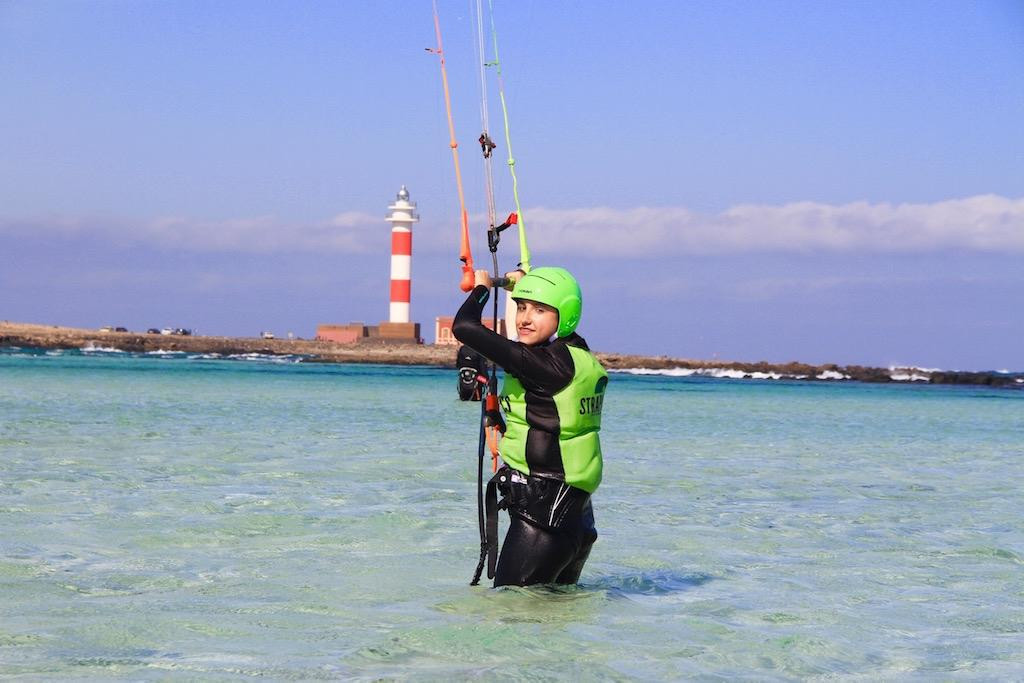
(484, 536)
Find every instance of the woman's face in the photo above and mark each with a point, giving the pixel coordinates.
(535, 322)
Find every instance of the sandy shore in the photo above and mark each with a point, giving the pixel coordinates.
(28, 335)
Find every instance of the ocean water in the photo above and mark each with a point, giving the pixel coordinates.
(173, 518)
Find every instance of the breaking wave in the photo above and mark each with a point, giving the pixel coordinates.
(99, 351)
(717, 373)
(92, 348)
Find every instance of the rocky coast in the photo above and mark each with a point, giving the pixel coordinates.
(27, 335)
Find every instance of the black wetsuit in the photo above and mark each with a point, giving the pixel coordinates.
(552, 523)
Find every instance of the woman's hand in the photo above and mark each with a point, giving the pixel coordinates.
(483, 278)
(514, 276)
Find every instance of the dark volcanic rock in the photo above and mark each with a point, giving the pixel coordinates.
(52, 337)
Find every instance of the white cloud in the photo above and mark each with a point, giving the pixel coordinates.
(349, 232)
(981, 223)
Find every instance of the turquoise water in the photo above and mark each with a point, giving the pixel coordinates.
(172, 518)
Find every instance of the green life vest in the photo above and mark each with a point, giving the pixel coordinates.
(573, 415)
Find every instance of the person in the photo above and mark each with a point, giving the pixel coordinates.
(552, 398)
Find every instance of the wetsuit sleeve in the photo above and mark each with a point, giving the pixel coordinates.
(468, 329)
(548, 368)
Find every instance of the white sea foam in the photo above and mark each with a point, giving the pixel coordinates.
(740, 374)
(11, 352)
(908, 377)
(268, 358)
(718, 373)
(251, 357)
(726, 374)
(832, 374)
(910, 373)
(912, 369)
(92, 348)
(669, 372)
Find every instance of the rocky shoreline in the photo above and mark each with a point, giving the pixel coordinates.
(27, 335)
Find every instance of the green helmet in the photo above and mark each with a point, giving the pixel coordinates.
(555, 287)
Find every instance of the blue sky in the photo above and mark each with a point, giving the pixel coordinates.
(825, 182)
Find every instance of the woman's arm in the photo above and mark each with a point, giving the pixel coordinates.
(468, 329)
(548, 368)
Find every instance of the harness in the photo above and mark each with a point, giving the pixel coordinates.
(547, 503)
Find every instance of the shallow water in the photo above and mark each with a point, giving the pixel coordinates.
(204, 518)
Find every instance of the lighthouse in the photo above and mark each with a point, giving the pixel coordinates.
(396, 329)
(402, 215)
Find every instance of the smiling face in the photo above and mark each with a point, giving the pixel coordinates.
(535, 322)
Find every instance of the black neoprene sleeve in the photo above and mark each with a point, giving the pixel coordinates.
(545, 367)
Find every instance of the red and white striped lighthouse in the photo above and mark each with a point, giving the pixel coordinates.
(402, 216)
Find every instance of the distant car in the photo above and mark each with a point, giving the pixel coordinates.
(106, 328)
(120, 329)
(153, 330)
(167, 330)
(267, 335)
(182, 332)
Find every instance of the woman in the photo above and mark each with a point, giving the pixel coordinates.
(552, 399)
